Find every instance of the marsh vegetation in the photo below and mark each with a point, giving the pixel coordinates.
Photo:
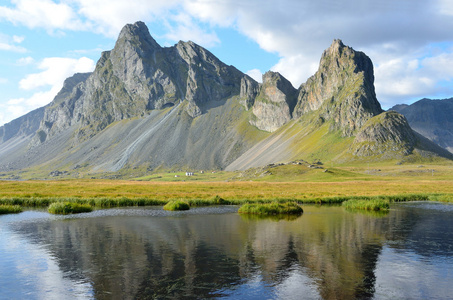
(176, 205)
(10, 209)
(273, 208)
(66, 208)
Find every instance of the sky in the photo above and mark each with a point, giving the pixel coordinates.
(42, 42)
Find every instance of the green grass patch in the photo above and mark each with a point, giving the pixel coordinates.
(441, 198)
(101, 202)
(273, 208)
(66, 208)
(367, 204)
(176, 205)
(10, 209)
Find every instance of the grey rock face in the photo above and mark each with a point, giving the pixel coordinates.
(387, 134)
(138, 76)
(274, 105)
(154, 107)
(341, 90)
(432, 119)
(59, 114)
(23, 126)
(249, 91)
(208, 79)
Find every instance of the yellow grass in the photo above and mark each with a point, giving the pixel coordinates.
(226, 190)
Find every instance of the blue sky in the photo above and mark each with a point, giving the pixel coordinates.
(410, 42)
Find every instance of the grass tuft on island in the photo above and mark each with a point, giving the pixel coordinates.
(367, 204)
(273, 208)
(176, 205)
(66, 208)
(10, 209)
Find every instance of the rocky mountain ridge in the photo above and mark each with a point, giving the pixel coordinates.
(432, 119)
(147, 106)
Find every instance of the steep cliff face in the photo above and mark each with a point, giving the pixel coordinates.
(23, 126)
(147, 107)
(341, 90)
(249, 91)
(63, 111)
(274, 104)
(386, 134)
(432, 119)
(138, 76)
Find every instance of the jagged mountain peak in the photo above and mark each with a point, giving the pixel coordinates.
(337, 46)
(342, 89)
(137, 34)
(172, 107)
(274, 105)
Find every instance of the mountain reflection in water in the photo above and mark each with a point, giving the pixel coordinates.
(327, 253)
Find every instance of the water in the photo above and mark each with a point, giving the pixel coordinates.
(148, 253)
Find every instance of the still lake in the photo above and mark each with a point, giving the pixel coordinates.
(212, 252)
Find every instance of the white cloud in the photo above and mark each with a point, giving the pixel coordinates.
(9, 112)
(406, 78)
(46, 83)
(186, 29)
(24, 61)
(296, 68)
(18, 39)
(55, 71)
(255, 74)
(8, 47)
(116, 13)
(3, 80)
(7, 43)
(445, 7)
(42, 14)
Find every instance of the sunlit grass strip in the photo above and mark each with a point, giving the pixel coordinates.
(374, 204)
(10, 209)
(441, 198)
(102, 202)
(177, 205)
(273, 208)
(66, 208)
(109, 202)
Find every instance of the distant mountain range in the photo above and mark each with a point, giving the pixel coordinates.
(431, 118)
(147, 107)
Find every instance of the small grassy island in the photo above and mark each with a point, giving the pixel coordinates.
(371, 204)
(273, 208)
(66, 208)
(176, 205)
(10, 209)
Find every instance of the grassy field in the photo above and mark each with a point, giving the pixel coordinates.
(285, 182)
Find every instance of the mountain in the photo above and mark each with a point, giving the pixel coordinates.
(146, 107)
(432, 119)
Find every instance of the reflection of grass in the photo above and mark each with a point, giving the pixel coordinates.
(371, 213)
(273, 208)
(177, 205)
(65, 208)
(10, 209)
(280, 217)
(372, 204)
